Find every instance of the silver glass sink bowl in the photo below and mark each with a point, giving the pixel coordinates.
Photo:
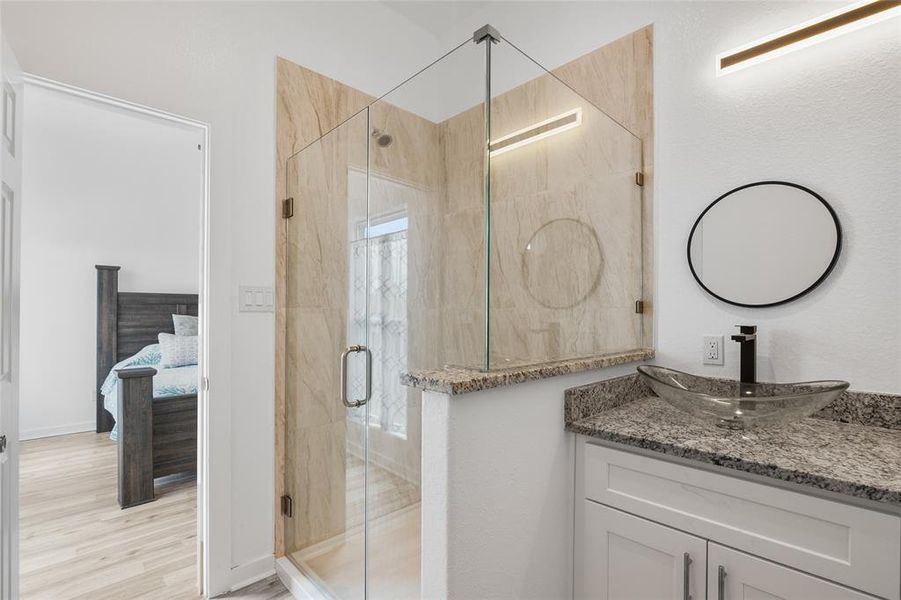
(740, 405)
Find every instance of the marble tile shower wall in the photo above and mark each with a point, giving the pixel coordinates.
(317, 248)
(571, 197)
(618, 79)
(571, 233)
(565, 268)
(407, 178)
(462, 340)
(310, 421)
(329, 181)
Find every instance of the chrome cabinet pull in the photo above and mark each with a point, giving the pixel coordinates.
(686, 576)
(344, 355)
(721, 583)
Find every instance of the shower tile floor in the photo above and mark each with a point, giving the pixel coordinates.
(394, 540)
(387, 492)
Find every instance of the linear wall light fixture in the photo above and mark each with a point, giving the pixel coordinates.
(538, 131)
(830, 25)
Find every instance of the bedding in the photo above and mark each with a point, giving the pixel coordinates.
(184, 324)
(177, 350)
(167, 382)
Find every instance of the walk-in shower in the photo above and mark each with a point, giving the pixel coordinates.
(482, 214)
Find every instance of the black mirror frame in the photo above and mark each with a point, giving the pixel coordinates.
(826, 273)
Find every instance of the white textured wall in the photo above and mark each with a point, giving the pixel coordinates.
(104, 186)
(827, 117)
(497, 491)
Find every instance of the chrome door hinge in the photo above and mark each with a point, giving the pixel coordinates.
(287, 506)
(639, 306)
(639, 179)
(205, 383)
(287, 208)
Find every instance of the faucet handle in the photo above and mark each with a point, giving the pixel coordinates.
(747, 328)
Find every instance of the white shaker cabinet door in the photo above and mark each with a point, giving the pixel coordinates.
(628, 558)
(733, 575)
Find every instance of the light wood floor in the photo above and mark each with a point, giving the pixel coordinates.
(267, 589)
(76, 543)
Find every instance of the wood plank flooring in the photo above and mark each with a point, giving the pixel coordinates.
(76, 543)
(267, 589)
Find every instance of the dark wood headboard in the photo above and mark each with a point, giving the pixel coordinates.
(128, 321)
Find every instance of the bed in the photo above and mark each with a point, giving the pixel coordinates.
(151, 412)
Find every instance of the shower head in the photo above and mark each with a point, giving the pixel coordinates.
(381, 138)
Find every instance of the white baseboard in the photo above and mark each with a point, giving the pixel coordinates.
(251, 572)
(300, 586)
(43, 432)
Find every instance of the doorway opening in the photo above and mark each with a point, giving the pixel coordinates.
(113, 346)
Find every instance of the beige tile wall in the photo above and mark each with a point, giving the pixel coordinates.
(308, 106)
(463, 267)
(315, 434)
(618, 78)
(566, 233)
(571, 196)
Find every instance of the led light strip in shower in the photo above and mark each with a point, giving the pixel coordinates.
(806, 34)
(538, 131)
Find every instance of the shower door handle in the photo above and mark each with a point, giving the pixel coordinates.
(344, 355)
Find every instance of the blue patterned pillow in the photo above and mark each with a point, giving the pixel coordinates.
(177, 350)
(184, 324)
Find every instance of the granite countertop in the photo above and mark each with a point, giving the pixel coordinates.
(853, 459)
(456, 380)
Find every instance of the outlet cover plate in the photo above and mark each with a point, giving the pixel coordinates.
(712, 351)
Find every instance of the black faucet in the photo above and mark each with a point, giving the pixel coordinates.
(747, 337)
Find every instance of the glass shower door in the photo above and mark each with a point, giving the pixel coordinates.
(426, 260)
(327, 380)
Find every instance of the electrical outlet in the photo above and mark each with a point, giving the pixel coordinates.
(713, 350)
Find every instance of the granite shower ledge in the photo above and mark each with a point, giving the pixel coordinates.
(859, 461)
(454, 381)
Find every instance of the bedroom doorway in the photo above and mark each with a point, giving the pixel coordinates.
(113, 425)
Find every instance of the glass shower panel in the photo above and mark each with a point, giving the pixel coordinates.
(565, 248)
(426, 277)
(436, 228)
(325, 471)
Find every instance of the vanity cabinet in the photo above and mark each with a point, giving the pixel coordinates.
(736, 575)
(637, 517)
(627, 557)
(630, 557)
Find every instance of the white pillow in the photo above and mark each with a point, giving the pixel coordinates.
(184, 324)
(177, 350)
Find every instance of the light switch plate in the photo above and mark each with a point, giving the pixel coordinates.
(255, 299)
(713, 350)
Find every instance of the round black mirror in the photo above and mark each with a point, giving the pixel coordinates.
(764, 244)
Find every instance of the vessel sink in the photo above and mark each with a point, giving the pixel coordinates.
(737, 405)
